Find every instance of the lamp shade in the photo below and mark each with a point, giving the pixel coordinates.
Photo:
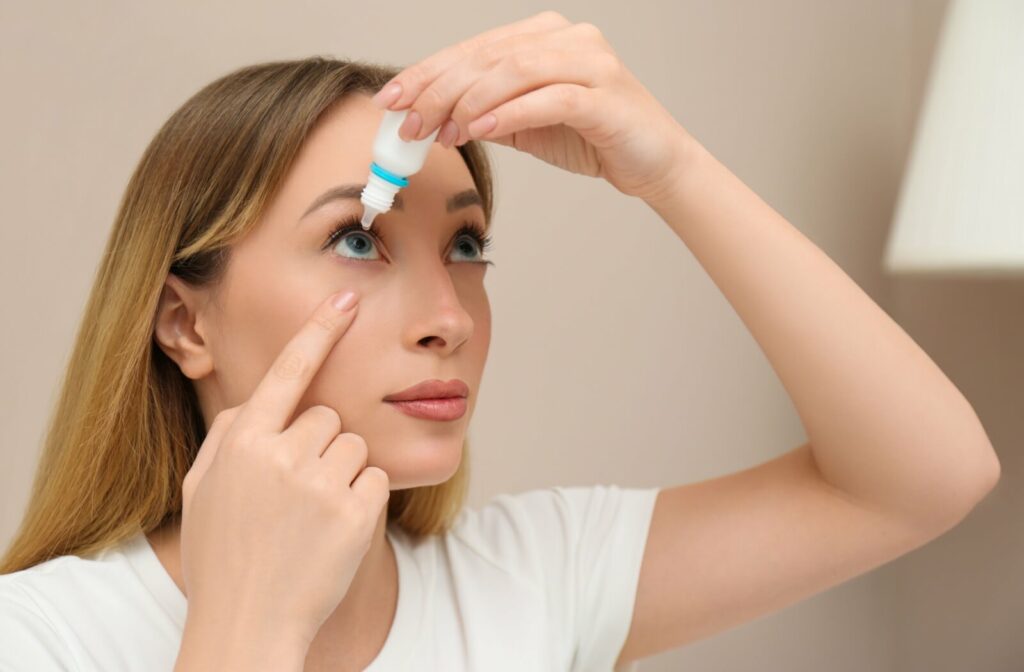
(961, 203)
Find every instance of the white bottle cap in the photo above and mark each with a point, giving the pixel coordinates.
(394, 160)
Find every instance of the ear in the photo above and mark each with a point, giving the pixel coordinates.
(179, 330)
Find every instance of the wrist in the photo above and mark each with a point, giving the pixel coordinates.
(229, 641)
(668, 196)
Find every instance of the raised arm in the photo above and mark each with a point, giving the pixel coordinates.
(895, 453)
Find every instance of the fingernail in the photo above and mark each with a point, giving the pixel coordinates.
(411, 126)
(448, 133)
(387, 95)
(344, 301)
(482, 126)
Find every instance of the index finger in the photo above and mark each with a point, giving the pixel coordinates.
(415, 78)
(279, 392)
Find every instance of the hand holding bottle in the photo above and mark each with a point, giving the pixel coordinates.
(551, 88)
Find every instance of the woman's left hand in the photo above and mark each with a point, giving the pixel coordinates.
(553, 89)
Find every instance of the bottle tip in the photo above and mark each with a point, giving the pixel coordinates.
(368, 215)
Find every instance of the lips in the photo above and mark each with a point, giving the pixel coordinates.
(431, 389)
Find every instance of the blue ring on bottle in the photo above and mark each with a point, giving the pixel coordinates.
(397, 180)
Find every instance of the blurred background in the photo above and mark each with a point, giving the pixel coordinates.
(813, 104)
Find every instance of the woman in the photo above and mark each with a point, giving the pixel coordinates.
(238, 445)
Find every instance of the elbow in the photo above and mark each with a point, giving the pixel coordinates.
(988, 468)
(991, 471)
(975, 487)
(988, 472)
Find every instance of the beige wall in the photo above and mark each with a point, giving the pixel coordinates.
(811, 103)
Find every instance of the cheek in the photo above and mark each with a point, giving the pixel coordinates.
(348, 379)
(483, 329)
(262, 323)
(267, 305)
(251, 335)
(480, 310)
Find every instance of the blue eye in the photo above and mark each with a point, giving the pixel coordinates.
(357, 242)
(476, 237)
(350, 236)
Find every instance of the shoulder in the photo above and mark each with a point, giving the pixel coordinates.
(66, 578)
(76, 593)
(61, 581)
(577, 549)
(96, 608)
(37, 583)
(542, 529)
(562, 509)
(31, 635)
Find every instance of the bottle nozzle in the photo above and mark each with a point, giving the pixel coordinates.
(368, 214)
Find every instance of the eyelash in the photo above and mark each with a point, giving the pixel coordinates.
(353, 223)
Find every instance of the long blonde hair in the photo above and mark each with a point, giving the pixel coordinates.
(128, 424)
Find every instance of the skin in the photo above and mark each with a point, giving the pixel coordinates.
(424, 313)
(877, 411)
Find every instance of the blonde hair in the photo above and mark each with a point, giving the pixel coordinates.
(128, 424)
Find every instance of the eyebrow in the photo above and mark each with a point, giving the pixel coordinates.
(462, 199)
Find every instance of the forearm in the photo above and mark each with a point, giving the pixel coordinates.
(884, 422)
(229, 644)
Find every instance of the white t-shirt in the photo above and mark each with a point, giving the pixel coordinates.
(540, 580)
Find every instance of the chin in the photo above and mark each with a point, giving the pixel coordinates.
(419, 461)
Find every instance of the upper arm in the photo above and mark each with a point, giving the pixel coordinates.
(727, 550)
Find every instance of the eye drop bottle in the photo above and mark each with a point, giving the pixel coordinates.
(394, 160)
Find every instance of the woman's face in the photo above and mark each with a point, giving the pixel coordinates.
(423, 312)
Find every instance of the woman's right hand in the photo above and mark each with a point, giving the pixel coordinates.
(276, 519)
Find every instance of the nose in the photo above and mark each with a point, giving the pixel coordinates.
(438, 318)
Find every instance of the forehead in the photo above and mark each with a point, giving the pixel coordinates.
(339, 149)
